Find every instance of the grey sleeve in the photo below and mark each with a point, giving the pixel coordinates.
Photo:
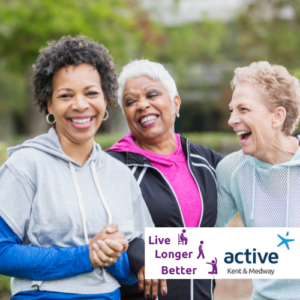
(141, 216)
(142, 219)
(16, 195)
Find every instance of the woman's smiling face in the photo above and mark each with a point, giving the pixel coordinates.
(149, 111)
(252, 120)
(78, 103)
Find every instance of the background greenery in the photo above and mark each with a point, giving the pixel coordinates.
(218, 141)
(201, 55)
(4, 287)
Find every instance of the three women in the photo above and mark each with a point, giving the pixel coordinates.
(54, 210)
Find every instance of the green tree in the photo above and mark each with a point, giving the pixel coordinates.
(269, 30)
(27, 25)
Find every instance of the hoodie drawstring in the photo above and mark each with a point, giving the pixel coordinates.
(101, 193)
(80, 202)
(287, 198)
(253, 194)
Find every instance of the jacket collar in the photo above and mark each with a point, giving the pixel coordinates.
(138, 159)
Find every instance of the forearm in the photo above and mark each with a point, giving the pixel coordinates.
(38, 263)
(121, 270)
(136, 255)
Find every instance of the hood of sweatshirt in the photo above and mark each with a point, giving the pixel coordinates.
(49, 143)
(295, 161)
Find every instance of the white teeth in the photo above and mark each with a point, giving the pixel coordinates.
(148, 119)
(243, 132)
(81, 121)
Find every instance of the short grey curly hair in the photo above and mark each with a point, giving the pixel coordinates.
(279, 88)
(144, 67)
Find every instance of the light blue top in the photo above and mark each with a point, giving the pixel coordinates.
(265, 196)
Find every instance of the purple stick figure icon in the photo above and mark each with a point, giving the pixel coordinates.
(214, 266)
(182, 239)
(201, 253)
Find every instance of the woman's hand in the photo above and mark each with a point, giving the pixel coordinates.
(106, 246)
(111, 232)
(104, 253)
(151, 285)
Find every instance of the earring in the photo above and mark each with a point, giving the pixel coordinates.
(47, 119)
(178, 115)
(107, 115)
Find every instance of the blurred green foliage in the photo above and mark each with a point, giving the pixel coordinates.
(27, 25)
(3, 154)
(4, 288)
(262, 30)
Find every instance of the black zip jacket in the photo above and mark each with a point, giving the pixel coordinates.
(165, 211)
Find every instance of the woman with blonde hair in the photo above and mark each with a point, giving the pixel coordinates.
(261, 181)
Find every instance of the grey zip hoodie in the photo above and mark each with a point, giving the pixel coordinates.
(49, 200)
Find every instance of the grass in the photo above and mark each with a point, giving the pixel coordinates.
(218, 141)
(4, 288)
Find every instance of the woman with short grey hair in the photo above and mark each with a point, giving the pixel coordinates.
(177, 178)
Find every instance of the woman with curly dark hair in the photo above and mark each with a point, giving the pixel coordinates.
(60, 192)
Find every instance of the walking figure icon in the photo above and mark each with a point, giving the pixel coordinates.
(214, 266)
(182, 239)
(201, 253)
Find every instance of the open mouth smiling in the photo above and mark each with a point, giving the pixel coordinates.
(244, 135)
(81, 121)
(147, 120)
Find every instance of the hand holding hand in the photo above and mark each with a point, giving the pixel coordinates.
(111, 232)
(106, 246)
(105, 253)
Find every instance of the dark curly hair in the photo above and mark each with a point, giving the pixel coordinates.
(72, 51)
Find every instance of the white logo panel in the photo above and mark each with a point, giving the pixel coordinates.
(235, 253)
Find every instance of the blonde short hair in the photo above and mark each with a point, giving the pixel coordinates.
(279, 88)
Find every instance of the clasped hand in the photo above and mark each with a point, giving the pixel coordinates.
(106, 246)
